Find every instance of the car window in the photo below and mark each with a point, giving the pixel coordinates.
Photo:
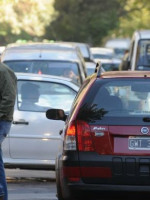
(56, 68)
(124, 98)
(110, 66)
(102, 56)
(143, 55)
(90, 71)
(40, 96)
(84, 51)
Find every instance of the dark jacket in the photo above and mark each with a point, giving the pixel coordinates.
(8, 83)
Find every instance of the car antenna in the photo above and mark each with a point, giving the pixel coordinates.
(98, 68)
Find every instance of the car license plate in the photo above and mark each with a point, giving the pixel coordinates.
(139, 143)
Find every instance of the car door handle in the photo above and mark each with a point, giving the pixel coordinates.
(21, 122)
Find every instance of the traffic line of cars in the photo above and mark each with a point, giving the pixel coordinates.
(48, 76)
(94, 131)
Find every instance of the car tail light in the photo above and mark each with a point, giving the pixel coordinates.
(70, 137)
(39, 72)
(80, 130)
(84, 135)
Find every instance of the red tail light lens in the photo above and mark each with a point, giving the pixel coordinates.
(84, 135)
(39, 72)
(80, 130)
(70, 137)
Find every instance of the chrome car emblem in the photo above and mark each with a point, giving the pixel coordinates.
(145, 130)
(98, 128)
(99, 134)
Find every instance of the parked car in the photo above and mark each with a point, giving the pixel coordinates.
(139, 52)
(33, 140)
(105, 141)
(44, 58)
(120, 46)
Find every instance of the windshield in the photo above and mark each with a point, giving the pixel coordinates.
(143, 55)
(55, 68)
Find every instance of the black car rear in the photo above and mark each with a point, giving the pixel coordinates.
(106, 140)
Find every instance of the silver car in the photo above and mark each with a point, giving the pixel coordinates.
(45, 58)
(33, 141)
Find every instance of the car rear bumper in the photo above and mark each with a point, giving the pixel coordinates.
(106, 187)
(105, 172)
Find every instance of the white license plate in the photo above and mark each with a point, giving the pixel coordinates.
(139, 143)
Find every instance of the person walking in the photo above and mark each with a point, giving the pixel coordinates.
(8, 85)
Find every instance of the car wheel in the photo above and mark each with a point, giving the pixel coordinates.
(63, 192)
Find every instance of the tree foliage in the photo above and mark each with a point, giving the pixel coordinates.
(24, 18)
(90, 21)
(85, 20)
(136, 18)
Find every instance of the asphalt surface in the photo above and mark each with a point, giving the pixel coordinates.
(41, 185)
(31, 184)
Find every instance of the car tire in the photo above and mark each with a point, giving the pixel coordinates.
(63, 192)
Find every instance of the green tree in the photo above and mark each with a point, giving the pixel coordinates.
(24, 19)
(136, 17)
(85, 20)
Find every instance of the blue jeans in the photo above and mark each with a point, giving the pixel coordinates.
(4, 129)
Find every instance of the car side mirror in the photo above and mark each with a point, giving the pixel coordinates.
(56, 114)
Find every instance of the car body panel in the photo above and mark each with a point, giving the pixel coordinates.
(33, 140)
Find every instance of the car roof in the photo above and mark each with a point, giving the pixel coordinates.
(125, 74)
(41, 45)
(118, 43)
(102, 50)
(143, 34)
(38, 52)
(82, 46)
(43, 77)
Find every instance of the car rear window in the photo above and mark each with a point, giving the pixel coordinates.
(118, 101)
(55, 68)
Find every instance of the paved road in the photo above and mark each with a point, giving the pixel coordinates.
(40, 185)
(31, 185)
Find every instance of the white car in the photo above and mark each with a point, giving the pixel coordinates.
(138, 57)
(33, 141)
(45, 58)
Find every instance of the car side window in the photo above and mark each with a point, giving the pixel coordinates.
(38, 96)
